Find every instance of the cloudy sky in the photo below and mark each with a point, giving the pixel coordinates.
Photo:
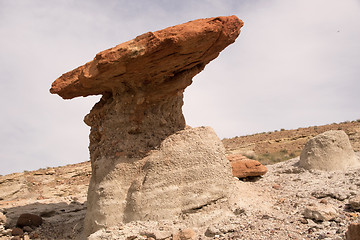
(296, 63)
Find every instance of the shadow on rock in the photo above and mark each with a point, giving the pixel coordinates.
(58, 220)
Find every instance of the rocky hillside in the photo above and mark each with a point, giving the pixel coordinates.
(288, 202)
(281, 145)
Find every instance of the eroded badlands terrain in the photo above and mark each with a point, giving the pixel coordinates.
(288, 202)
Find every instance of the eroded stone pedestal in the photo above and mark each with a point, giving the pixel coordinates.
(188, 172)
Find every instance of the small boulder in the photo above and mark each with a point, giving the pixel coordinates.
(2, 218)
(355, 202)
(28, 219)
(320, 212)
(157, 234)
(353, 231)
(184, 234)
(17, 232)
(33, 235)
(27, 229)
(329, 151)
(243, 167)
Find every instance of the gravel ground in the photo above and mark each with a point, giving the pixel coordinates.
(286, 203)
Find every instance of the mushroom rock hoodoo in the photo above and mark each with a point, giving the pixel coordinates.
(146, 164)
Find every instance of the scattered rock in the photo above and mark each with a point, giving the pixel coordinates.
(33, 235)
(353, 231)
(320, 212)
(157, 234)
(17, 232)
(131, 237)
(355, 202)
(323, 201)
(323, 193)
(50, 172)
(184, 234)
(243, 167)
(27, 229)
(221, 227)
(2, 218)
(303, 220)
(28, 219)
(16, 238)
(329, 151)
(276, 186)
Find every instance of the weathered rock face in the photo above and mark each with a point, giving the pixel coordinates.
(243, 167)
(143, 168)
(154, 64)
(187, 172)
(329, 151)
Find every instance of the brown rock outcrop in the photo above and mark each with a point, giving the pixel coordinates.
(135, 138)
(243, 167)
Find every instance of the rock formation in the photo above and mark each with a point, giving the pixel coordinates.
(329, 151)
(243, 167)
(145, 166)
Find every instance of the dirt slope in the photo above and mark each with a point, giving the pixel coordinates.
(281, 145)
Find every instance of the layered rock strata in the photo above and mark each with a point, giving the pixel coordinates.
(145, 166)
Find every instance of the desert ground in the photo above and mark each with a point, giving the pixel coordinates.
(288, 202)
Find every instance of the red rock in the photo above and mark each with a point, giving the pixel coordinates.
(243, 167)
(28, 219)
(151, 60)
(353, 231)
(17, 232)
